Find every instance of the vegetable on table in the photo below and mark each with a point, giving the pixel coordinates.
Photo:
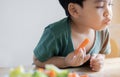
(49, 71)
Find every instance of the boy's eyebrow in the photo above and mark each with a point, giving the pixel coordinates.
(96, 1)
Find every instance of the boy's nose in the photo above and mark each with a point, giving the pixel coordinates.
(108, 12)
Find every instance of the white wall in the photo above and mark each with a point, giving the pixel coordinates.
(21, 25)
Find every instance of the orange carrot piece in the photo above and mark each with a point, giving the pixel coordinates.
(70, 75)
(40, 69)
(52, 73)
(82, 45)
(73, 74)
(84, 76)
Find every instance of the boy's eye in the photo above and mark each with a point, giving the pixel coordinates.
(100, 7)
(110, 4)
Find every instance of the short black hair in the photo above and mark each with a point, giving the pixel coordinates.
(64, 4)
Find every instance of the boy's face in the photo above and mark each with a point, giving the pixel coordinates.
(95, 14)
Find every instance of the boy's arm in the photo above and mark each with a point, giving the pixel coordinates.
(57, 61)
(71, 60)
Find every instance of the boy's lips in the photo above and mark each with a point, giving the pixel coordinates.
(107, 21)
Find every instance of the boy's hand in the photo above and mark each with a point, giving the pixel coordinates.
(73, 59)
(97, 61)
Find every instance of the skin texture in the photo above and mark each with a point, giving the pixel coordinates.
(94, 15)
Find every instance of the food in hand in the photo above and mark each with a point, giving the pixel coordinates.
(82, 45)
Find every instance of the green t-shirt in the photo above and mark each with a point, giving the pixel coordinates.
(56, 41)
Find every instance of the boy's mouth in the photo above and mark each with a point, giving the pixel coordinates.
(107, 21)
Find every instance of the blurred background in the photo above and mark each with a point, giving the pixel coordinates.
(114, 30)
(23, 21)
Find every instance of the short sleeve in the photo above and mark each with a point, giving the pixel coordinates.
(47, 46)
(106, 48)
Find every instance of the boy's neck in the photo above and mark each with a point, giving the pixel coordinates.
(81, 29)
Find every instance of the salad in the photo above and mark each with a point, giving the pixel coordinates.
(49, 71)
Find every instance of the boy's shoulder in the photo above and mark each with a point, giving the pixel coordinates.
(59, 26)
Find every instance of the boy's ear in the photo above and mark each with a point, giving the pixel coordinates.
(73, 9)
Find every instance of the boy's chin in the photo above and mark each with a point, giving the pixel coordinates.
(102, 28)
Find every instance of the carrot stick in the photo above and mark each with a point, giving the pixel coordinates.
(73, 74)
(52, 73)
(84, 76)
(40, 69)
(82, 45)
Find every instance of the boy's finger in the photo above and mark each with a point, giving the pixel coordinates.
(93, 57)
(87, 57)
(80, 55)
(84, 51)
(100, 56)
(81, 52)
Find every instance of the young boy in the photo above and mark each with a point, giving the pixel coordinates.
(85, 19)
